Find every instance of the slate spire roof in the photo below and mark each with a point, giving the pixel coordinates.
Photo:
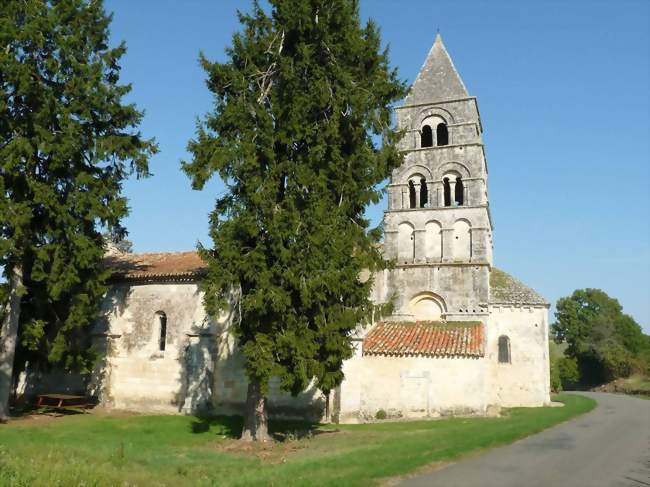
(438, 79)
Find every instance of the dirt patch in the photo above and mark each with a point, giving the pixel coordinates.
(48, 416)
(36, 419)
(635, 385)
(269, 452)
(429, 468)
(114, 413)
(275, 451)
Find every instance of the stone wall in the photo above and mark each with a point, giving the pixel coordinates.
(199, 371)
(412, 387)
(419, 387)
(462, 288)
(525, 380)
(136, 374)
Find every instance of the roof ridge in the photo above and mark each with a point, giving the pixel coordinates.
(171, 252)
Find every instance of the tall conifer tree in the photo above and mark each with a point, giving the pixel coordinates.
(299, 103)
(67, 143)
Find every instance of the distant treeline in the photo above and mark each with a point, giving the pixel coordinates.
(600, 343)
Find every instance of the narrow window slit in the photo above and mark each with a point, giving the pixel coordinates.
(504, 350)
(442, 134)
(460, 192)
(447, 192)
(411, 195)
(162, 322)
(426, 137)
(424, 193)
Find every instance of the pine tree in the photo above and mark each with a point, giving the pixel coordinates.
(301, 134)
(67, 143)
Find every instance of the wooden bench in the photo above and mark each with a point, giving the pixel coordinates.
(62, 401)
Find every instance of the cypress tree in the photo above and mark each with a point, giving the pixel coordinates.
(301, 135)
(67, 143)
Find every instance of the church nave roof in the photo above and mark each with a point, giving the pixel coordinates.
(426, 339)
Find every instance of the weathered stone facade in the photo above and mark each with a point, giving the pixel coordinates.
(463, 337)
(439, 232)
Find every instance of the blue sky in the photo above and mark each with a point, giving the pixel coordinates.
(563, 93)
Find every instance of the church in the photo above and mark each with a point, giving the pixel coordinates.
(463, 338)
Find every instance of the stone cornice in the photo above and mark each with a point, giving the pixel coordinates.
(434, 103)
(518, 305)
(443, 264)
(436, 181)
(436, 208)
(442, 147)
(188, 278)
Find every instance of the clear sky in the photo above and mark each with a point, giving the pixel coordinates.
(563, 92)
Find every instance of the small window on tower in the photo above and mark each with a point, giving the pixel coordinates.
(442, 134)
(460, 191)
(424, 193)
(446, 191)
(411, 195)
(504, 350)
(426, 137)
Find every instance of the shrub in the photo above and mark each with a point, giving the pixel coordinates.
(567, 372)
(617, 362)
(381, 414)
(556, 381)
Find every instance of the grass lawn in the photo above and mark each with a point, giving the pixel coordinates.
(95, 450)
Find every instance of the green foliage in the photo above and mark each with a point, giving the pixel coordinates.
(568, 373)
(67, 143)
(149, 450)
(305, 93)
(556, 381)
(4, 294)
(644, 357)
(381, 414)
(605, 342)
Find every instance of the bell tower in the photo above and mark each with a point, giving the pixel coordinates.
(438, 228)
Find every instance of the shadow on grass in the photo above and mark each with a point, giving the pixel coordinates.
(230, 426)
(26, 410)
(280, 429)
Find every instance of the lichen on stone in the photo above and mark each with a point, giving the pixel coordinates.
(505, 289)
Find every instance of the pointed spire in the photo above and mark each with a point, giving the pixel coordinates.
(438, 79)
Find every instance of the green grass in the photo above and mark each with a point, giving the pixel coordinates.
(93, 450)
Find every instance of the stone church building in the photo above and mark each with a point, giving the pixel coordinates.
(463, 338)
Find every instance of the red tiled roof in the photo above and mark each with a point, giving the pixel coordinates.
(426, 338)
(156, 266)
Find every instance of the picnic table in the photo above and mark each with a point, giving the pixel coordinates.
(61, 401)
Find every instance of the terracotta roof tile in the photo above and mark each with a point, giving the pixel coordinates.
(426, 338)
(156, 266)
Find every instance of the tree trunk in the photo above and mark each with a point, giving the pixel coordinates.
(328, 413)
(256, 426)
(9, 338)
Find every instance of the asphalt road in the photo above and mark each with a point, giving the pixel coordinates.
(608, 447)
